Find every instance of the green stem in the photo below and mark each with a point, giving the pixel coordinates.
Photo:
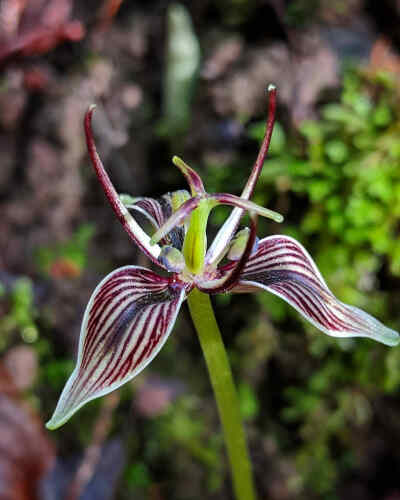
(225, 393)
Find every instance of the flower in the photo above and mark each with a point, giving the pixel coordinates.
(133, 310)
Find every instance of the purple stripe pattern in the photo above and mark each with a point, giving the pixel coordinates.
(282, 266)
(127, 321)
(192, 177)
(154, 209)
(159, 211)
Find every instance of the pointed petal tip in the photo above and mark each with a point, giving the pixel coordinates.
(372, 328)
(192, 177)
(52, 425)
(385, 335)
(391, 338)
(281, 265)
(89, 112)
(59, 418)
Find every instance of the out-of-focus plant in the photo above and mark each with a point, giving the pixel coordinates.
(68, 259)
(20, 312)
(183, 426)
(35, 27)
(182, 60)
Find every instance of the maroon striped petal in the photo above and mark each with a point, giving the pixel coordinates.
(282, 266)
(151, 208)
(226, 232)
(126, 322)
(157, 212)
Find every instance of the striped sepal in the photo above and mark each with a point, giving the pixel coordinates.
(126, 322)
(152, 209)
(282, 266)
(157, 212)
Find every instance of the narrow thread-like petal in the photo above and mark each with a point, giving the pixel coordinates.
(213, 200)
(126, 219)
(282, 266)
(229, 227)
(243, 204)
(126, 322)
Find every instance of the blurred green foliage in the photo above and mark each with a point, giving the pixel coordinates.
(184, 426)
(69, 258)
(20, 313)
(181, 72)
(338, 180)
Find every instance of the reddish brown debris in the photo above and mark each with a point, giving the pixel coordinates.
(64, 268)
(108, 11)
(36, 26)
(384, 58)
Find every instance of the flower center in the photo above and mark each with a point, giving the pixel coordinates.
(195, 243)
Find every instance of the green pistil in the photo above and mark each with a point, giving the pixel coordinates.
(195, 244)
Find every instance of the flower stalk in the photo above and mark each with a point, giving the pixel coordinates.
(219, 370)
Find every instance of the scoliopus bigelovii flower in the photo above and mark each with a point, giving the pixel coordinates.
(133, 310)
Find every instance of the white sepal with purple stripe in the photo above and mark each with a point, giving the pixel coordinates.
(127, 321)
(282, 266)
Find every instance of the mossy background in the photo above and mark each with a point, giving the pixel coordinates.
(322, 414)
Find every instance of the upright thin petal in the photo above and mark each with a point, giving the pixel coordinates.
(282, 266)
(225, 234)
(126, 219)
(126, 322)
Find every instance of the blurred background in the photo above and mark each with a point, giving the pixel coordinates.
(322, 414)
